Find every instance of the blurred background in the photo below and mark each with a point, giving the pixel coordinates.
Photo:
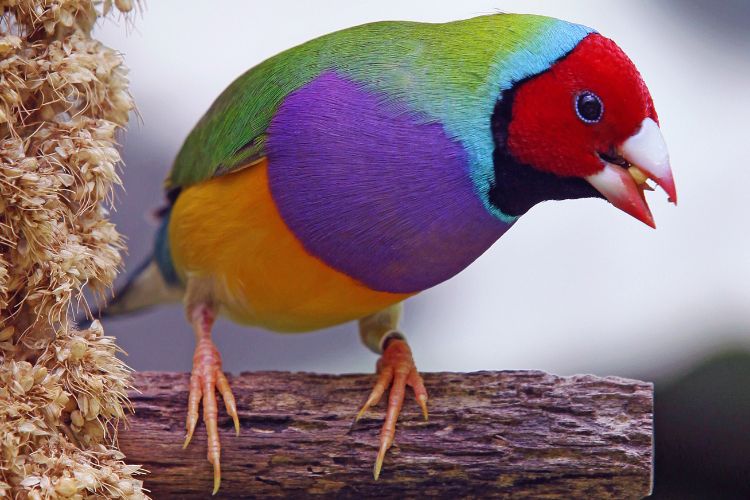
(574, 287)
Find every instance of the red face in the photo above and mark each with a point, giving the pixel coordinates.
(583, 118)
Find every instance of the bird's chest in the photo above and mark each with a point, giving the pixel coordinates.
(228, 232)
(374, 192)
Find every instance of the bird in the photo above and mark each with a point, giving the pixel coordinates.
(333, 181)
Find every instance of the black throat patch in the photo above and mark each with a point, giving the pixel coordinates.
(518, 187)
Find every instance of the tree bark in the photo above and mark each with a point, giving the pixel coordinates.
(519, 434)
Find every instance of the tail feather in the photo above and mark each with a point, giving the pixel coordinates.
(145, 288)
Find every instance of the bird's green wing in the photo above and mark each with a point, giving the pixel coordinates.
(231, 134)
(450, 73)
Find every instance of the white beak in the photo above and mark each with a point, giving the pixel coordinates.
(647, 156)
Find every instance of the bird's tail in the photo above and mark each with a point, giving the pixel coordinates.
(152, 283)
(145, 288)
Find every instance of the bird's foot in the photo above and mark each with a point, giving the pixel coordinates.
(395, 370)
(205, 378)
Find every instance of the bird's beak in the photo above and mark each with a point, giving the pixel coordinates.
(641, 157)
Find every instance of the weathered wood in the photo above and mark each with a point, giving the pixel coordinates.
(520, 434)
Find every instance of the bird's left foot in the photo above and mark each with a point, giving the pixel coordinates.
(396, 370)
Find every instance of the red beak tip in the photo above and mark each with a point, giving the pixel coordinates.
(647, 218)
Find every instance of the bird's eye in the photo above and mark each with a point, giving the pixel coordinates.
(589, 107)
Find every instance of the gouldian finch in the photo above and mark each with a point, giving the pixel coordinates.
(333, 181)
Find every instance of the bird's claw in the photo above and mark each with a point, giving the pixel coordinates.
(205, 379)
(395, 370)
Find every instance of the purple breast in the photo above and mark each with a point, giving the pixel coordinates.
(373, 189)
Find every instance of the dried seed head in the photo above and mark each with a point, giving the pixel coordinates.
(63, 99)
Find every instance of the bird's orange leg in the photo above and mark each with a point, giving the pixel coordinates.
(205, 378)
(396, 370)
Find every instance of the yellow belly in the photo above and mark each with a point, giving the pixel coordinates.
(228, 230)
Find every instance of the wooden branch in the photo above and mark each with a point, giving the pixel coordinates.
(520, 434)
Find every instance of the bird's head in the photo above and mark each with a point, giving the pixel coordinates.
(586, 127)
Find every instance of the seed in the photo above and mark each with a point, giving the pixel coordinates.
(66, 486)
(638, 175)
(7, 333)
(94, 430)
(77, 418)
(27, 382)
(39, 373)
(124, 5)
(77, 349)
(93, 410)
(126, 487)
